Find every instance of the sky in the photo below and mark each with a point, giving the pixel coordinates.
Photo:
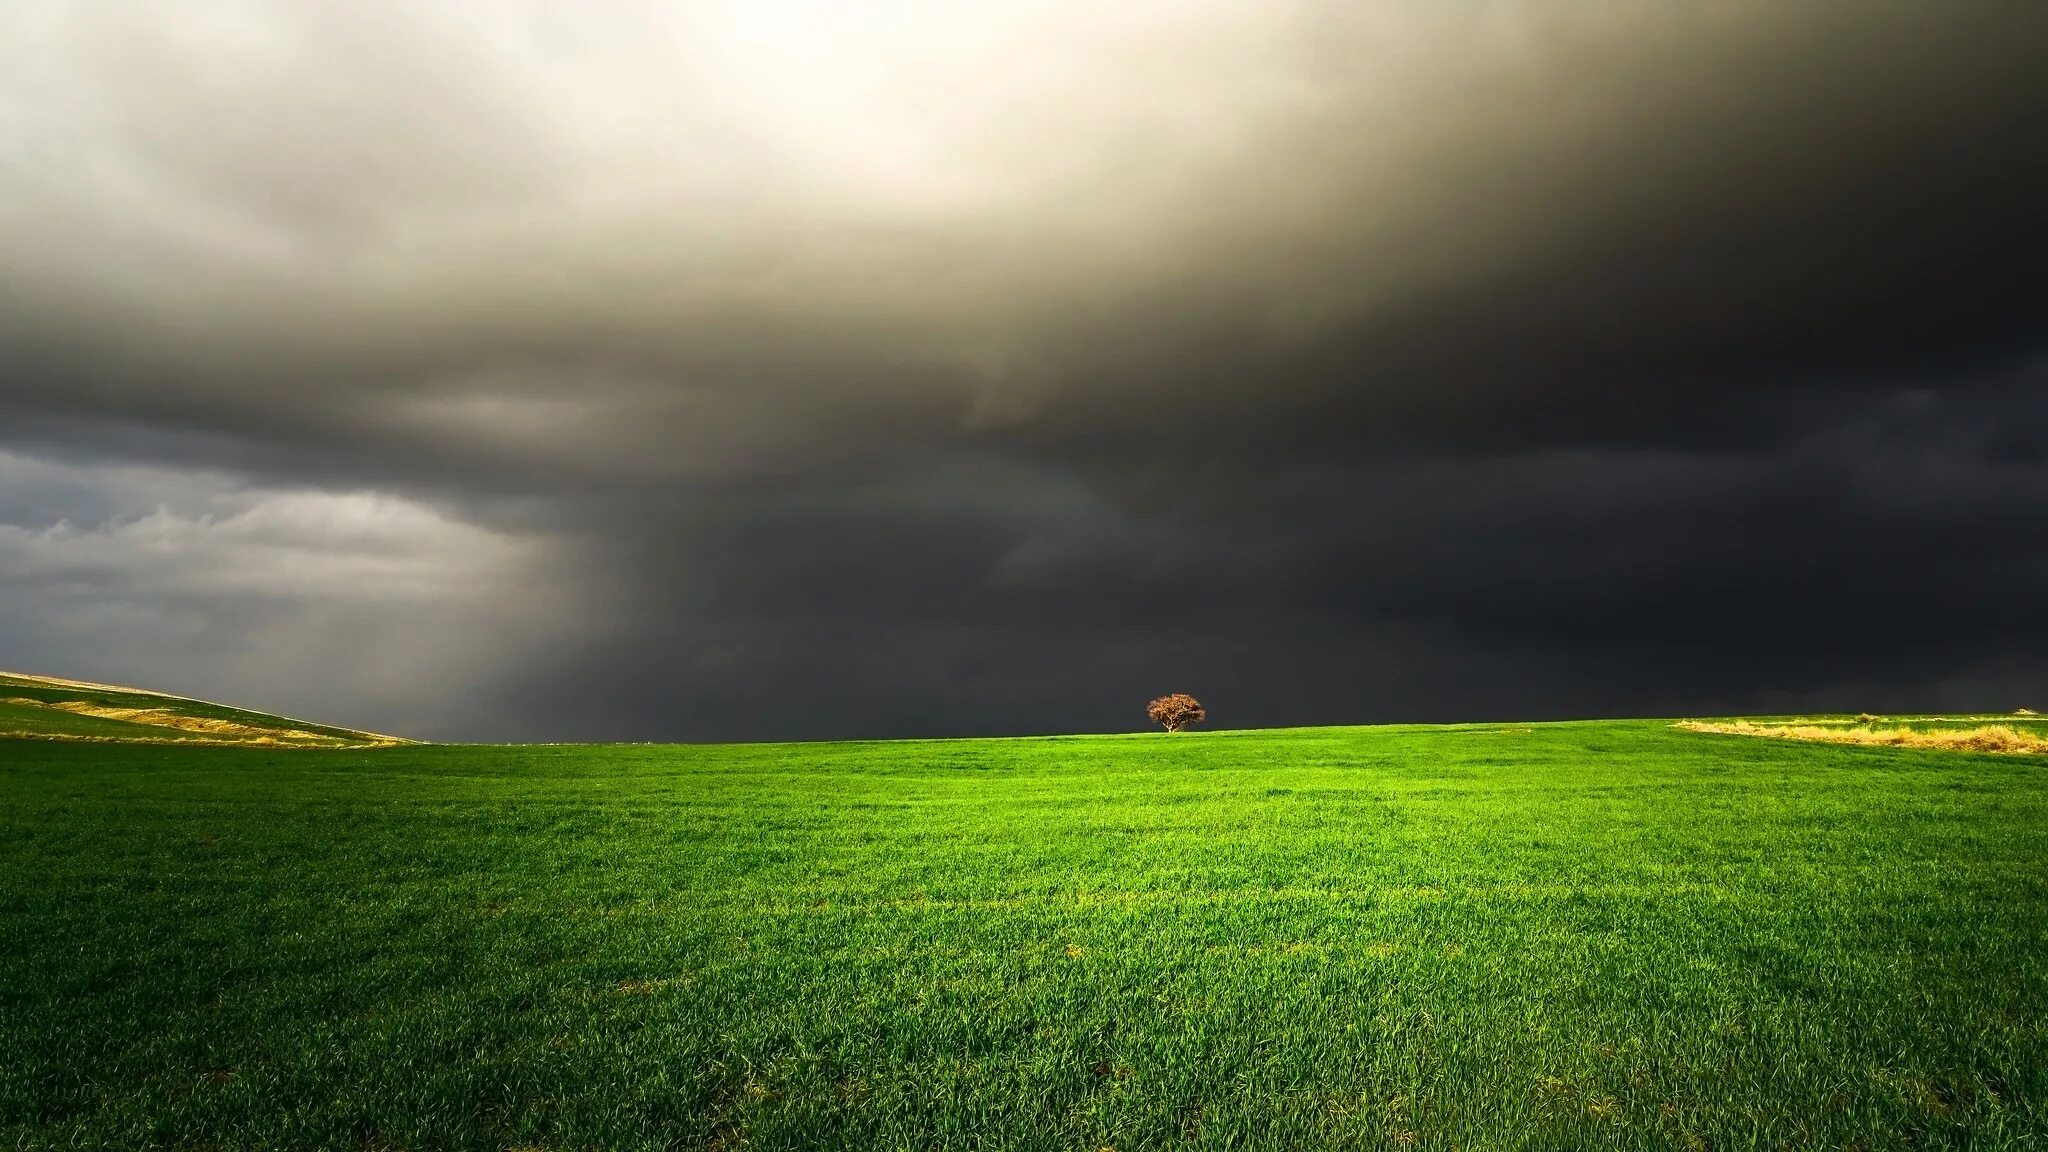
(485, 370)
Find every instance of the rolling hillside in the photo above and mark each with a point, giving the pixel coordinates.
(48, 708)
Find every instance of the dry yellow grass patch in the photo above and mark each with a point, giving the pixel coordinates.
(1987, 738)
(169, 716)
(208, 730)
(186, 742)
(60, 682)
(165, 718)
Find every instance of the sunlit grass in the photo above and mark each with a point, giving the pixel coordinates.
(1557, 936)
(46, 708)
(1928, 734)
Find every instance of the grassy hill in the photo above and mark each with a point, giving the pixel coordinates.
(47, 708)
(1616, 934)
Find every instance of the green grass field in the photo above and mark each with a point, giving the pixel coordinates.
(1608, 934)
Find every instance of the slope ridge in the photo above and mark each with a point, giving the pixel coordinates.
(54, 708)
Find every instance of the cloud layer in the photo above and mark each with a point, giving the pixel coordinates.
(642, 370)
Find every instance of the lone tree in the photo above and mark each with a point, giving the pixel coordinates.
(1176, 712)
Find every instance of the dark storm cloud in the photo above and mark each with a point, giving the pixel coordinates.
(987, 370)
